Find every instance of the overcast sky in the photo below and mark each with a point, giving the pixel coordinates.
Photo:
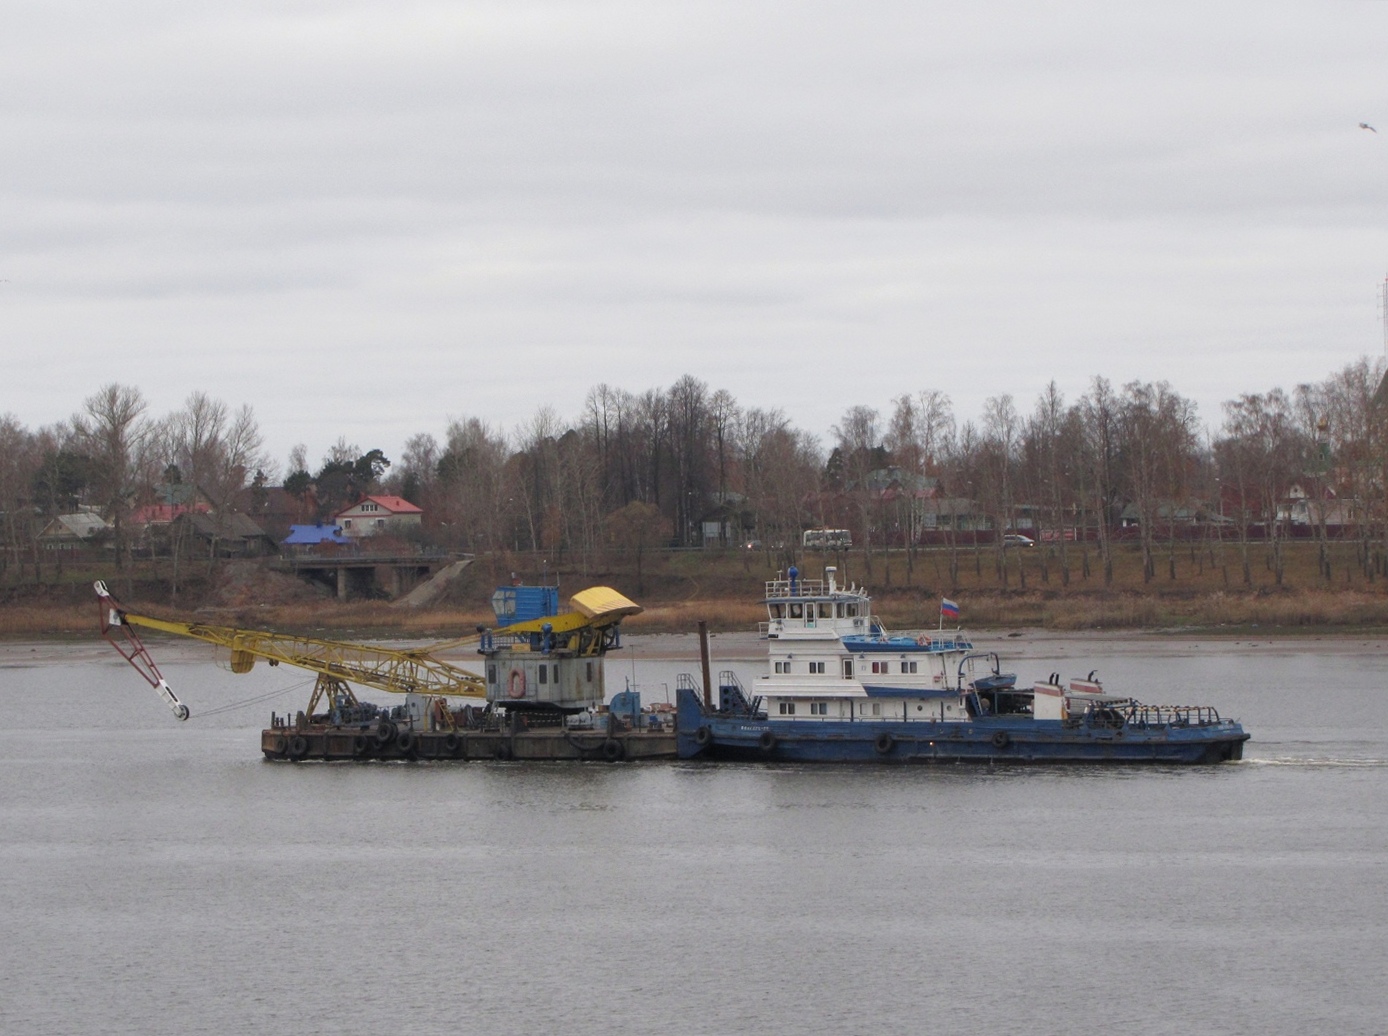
(365, 219)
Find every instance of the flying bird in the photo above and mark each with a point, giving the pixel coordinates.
(1365, 125)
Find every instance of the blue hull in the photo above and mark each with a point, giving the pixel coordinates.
(711, 735)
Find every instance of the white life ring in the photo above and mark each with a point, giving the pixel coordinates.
(516, 689)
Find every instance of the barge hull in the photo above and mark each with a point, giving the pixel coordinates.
(361, 745)
(917, 747)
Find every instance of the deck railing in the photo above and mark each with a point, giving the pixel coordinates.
(1138, 714)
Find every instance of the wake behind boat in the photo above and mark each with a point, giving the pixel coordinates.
(840, 687)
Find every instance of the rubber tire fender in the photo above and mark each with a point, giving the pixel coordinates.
(280, 745)
(1001, 739)
(767, 741)
(361, 744)
(405, 742)
(613, 750)
(884, 743)
(298, 747)
(385, 732)
(451, 743)
(703, 737)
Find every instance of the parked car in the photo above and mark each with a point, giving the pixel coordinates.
(1016, 539)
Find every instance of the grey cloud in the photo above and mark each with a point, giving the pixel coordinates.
(973, 197)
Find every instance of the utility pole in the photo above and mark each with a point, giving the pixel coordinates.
(1383, 312)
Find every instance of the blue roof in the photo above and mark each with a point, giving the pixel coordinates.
(309, 534)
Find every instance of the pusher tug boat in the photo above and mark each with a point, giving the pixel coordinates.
(841, 688)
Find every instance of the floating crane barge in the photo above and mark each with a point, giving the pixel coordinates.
(541, 695)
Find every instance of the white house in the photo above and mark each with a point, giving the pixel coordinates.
(73, 531)
(373, 515)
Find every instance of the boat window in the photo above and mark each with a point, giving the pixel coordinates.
(778, 611)
(797, 611)
(544, 674)
(817, 667)
(787, 708)
(877, 708)
(782, 667)
(848, 668)
(852, 610)
(590, 672)
(556, 673)
(908, 667)
(819, 708)
(809, 610)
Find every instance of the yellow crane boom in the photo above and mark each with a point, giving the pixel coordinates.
(397, 670)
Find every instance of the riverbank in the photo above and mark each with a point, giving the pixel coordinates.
(1294, 614)
(678, 589)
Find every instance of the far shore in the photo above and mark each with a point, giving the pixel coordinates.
(1203, 593)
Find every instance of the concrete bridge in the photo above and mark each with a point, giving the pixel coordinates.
(371, 574)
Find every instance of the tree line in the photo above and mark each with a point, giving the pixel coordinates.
(652, 468)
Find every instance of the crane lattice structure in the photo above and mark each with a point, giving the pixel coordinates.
(396, 670)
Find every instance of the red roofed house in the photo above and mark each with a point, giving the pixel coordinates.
(379, 514)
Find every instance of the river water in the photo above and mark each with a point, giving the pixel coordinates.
(158, 877)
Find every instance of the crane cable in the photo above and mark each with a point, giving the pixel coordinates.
(267, 696)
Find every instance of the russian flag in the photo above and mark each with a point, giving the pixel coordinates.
(948, 609)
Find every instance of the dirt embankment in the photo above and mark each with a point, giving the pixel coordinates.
(678, 589)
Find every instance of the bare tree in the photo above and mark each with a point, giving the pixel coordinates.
(416, 476)
(1158, 434)
(860, 452)
(114, 431)
(472, 485)
(1266, 454)
(20, 461)
(1101, 421)
(1048, 472)
(1001, 447)
(780, 475)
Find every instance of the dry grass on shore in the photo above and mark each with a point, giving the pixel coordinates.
(723, 588)
(1290, 610)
